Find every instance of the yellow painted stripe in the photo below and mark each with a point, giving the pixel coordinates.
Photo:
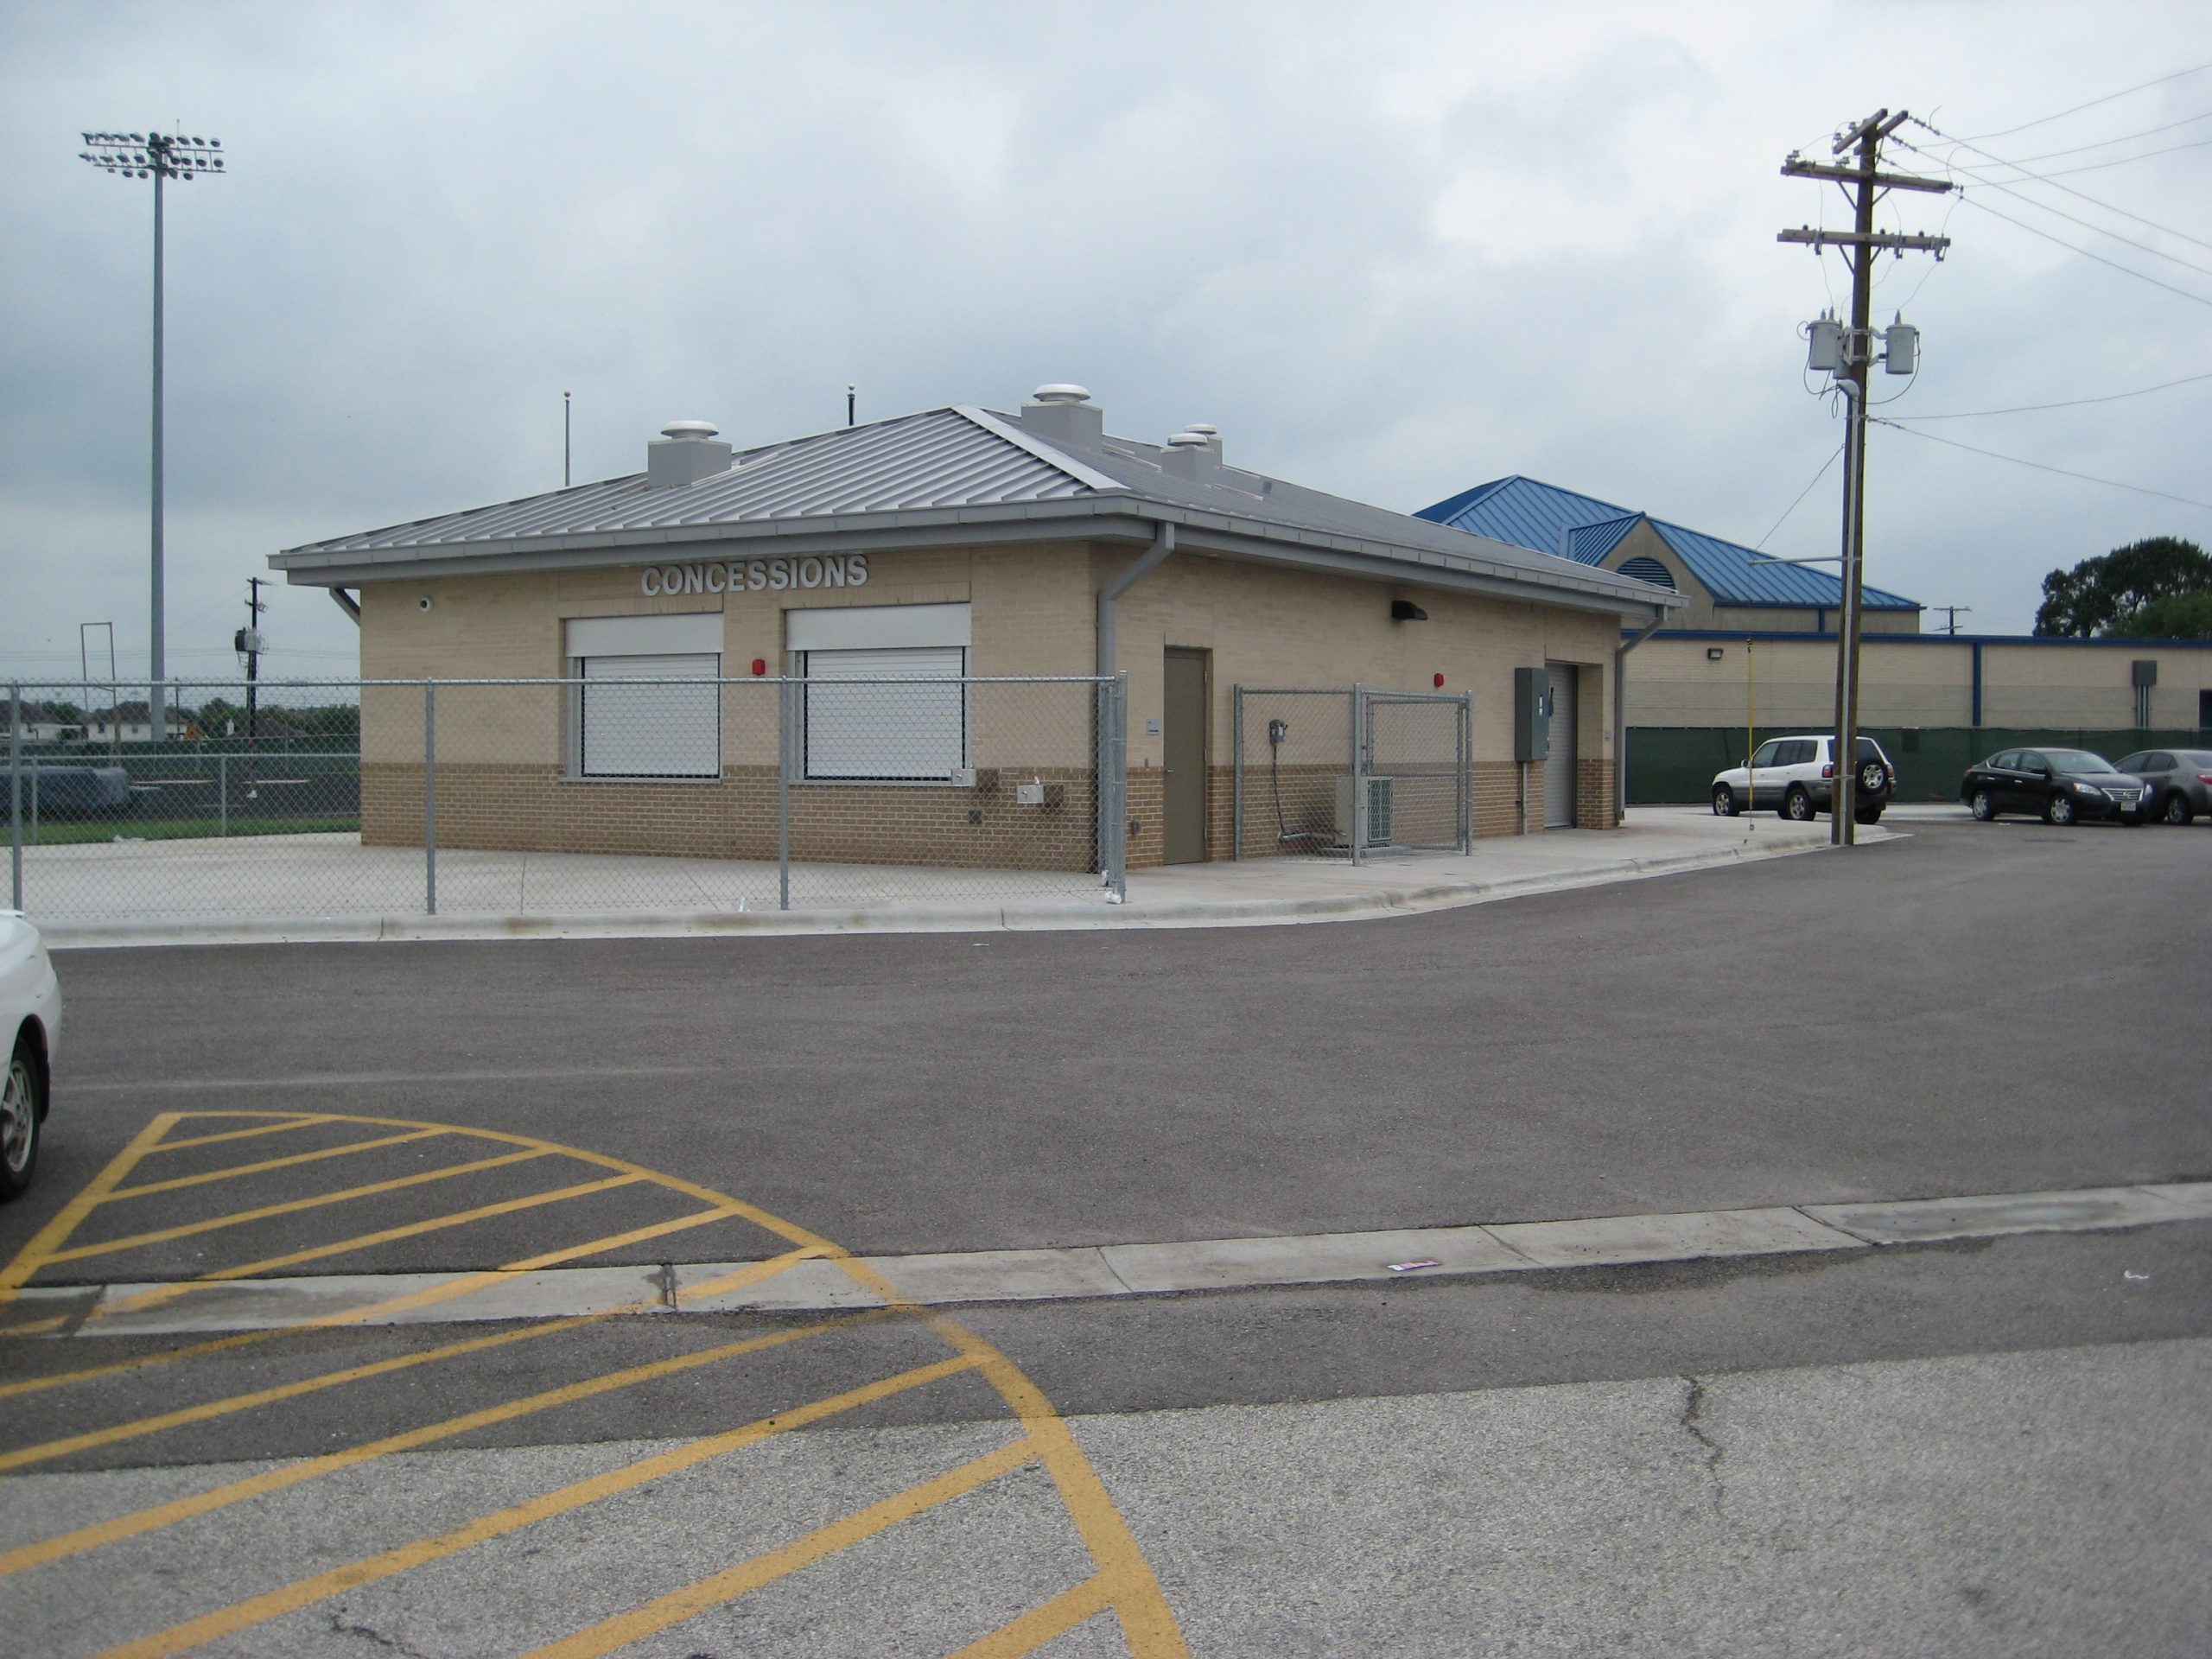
(164, 1515)
(748, 1576)
(307, 1123)
(1043, 1623)
(216, 1223)
(274, 1604)
(467, 1285)
(166, 1293)
(207, 1177)
(37, 1253)
(616, 1241)
(37, 1327)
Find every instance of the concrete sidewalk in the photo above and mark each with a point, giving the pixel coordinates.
(309, 889)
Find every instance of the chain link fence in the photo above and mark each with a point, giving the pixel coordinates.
(642, 787)
(1350, 773)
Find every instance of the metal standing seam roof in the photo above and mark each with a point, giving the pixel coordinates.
(966, 462)
(1531, 514)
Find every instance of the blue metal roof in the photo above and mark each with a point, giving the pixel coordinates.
(1548, 519)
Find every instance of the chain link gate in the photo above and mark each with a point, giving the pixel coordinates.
(1348, 772)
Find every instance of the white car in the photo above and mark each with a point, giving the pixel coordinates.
(1795, 775)
(30, 1007)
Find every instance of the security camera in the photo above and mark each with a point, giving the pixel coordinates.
(423, 603)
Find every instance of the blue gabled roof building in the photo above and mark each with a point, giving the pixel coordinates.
(1728, 584)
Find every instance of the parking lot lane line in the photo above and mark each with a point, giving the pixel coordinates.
(307, 1122)
(208, 1176)
(274, 1604)
(742, 1579)
(38, 1250)
(1042, 1624)
(635, 1235)
(293, 1206)
(166, 1293)
(63, 1545)
(138, 1428)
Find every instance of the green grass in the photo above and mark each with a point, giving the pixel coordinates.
(78, 831)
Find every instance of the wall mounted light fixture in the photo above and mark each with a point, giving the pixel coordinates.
(1404, 610)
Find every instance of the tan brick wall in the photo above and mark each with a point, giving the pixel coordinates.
(1593, 795)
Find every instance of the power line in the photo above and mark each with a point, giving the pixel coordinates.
(2098, 167)
(2097, 230)
(1801, 494)
(2125, 138)
(2126, 270)
(2086, 478)
(2071, 403)
(2045, 120)
(2038, 178)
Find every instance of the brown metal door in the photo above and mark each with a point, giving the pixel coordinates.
(1183, 757)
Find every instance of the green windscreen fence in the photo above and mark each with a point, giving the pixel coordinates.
(1676, 764)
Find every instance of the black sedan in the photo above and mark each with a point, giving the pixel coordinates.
(2059, 784)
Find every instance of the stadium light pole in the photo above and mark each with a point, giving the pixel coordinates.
(157, 156)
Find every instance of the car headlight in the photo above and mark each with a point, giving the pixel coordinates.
(2088, 788)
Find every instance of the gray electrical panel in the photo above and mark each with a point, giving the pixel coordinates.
(2146, 670)
(1532, 713)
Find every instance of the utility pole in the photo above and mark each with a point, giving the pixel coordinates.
(564, 440)
(1849, 354)
(1951, 616)
(249, 642)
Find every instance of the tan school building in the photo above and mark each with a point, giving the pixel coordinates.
(956, 542)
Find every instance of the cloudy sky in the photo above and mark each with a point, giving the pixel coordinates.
(1392, 251)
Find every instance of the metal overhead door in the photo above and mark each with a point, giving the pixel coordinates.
(1559, 766)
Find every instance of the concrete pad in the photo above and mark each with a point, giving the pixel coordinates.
(1207, 1263)
(2194, 1199)
(1919, 1220)
(807, 1287)
(999, 1275)
(261, 1303)
(1609, 1239)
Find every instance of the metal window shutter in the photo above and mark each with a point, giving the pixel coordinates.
(651, 731)
(858, 727)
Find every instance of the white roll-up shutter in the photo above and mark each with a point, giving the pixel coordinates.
(872, 714)
(651, 730)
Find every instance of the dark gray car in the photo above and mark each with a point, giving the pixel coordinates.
(2180, 781)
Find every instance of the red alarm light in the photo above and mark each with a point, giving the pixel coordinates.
(1439, 682)
(759, 664)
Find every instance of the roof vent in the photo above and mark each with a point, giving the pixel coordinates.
(1191, 454)
(1061, 413)
(686, 451)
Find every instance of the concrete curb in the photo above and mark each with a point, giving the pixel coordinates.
(949, 918)
(1090, 1272)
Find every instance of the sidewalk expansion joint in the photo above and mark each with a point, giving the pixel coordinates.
(1091, 1271)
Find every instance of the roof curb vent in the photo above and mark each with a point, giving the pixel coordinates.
(1191, 454)
(1060, 412)
(686, 451)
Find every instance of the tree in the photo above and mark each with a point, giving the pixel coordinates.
(2178, 616)
(2097, 594)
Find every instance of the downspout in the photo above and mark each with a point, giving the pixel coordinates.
(346, 602)
(1620, 715)
(1163, 544)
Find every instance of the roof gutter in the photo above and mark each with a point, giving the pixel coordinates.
(1620, 714)
(1163, 544)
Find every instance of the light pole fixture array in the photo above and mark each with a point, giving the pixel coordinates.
(157, 156)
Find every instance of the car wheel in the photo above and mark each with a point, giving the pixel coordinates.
(1797, 805)
(2178, 810)
(1867, 814)
(1724, 801)
(2060, 811)
(1983, 805)
(21, 1096)
(1873, 777)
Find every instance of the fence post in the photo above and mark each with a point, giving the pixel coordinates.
(1358, 774)
(34, 800)
(223, 795)
(1466, 773)
(785, 721)
(431, 796)
(1236, 788)
(1119, 778)
(16, 791)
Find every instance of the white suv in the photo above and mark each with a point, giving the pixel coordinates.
(1795, 775)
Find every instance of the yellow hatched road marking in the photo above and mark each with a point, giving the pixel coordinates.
(165, 1293)
(748, 1576)
(1042, 1624)
(184, 1508)
(37, 1253)
(307, 1123)
(259, 1610)
(290, 1207)
(48, 1451)
(467, 1285)
(207, 1177)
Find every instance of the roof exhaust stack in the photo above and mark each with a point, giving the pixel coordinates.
(686, 451)
(1060, 413)
(1192, 454)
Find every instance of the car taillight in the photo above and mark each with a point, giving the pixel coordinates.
(1827, 772)
(2204, 777)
